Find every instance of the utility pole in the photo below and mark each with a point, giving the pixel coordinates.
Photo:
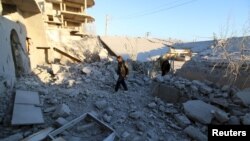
(106, 25)
(147, 34)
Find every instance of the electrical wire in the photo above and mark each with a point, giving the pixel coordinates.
(156, 10)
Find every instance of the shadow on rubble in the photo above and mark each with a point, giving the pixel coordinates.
(67, 81)
(204, 70)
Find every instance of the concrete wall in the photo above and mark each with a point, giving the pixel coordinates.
(33, 21)
(7, 67)
(36, 31)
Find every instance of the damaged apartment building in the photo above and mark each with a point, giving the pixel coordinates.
(31, 28)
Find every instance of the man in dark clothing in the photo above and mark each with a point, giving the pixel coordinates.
(165, 67)
(122, 71)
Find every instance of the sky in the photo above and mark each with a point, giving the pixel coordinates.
(187, 20)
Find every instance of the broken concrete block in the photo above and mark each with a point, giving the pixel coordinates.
(71, 82)
(41, 135)
(244, 96)
(61, 121)
(102, 104)
(182, 120)
(225, 88)
(15, 137)
(136, 115)
(220, 101)
(233, 120)
(194, 88)
(168, 93)
(109, 111)
(195, 133)
(246, 119)
(125, 134)
(152, 105)
(87, 70)
(103, 54)
(50, 109)
(62, 111)
(199, 111)
(107, 118)
(205, 89)
(159, 78)
(141, 126)
(56, 68)
(221, 116)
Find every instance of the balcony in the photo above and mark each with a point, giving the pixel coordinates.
(77, 17)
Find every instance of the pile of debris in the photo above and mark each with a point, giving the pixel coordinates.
(162, 108)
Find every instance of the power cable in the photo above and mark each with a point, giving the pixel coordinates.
(155, 11)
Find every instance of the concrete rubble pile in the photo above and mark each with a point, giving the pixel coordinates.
(162, 108)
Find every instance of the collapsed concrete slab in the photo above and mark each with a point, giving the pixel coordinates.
(25, 110)
(199, 111)
(27, 97)
(26, 114)
(140, 49)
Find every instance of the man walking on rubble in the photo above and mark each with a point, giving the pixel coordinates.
(165, 65)
(122, 71)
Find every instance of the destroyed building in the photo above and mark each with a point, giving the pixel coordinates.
(45, 95)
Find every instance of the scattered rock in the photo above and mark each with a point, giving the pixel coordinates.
(246, 119)
(109, 111)
(194, 88)
(221, 116)
(141, 126)
(61, 121)
(56, 68)
(107, 118)
(199, 111)
(159, 78)
(244, 96)
(136, 115)
(225, 88)
(182, 120)
(102, 104)
(152, 105)
(40, 135)
(206, 89)
(15, 137)
(87, 70)
(168, 93)
(125, 134)
(220, 101)
(195, 133)
(50, 109)
(233, 120)
(62, 111)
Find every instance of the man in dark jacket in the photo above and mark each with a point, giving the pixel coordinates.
(122, 71)
(165, 67)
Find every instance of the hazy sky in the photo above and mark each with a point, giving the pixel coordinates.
(179, 19)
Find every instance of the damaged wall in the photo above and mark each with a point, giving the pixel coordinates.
(29, 14)
(14, 60)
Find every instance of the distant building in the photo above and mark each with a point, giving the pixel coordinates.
(69, 15)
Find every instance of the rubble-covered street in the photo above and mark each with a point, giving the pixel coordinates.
(162, 108)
